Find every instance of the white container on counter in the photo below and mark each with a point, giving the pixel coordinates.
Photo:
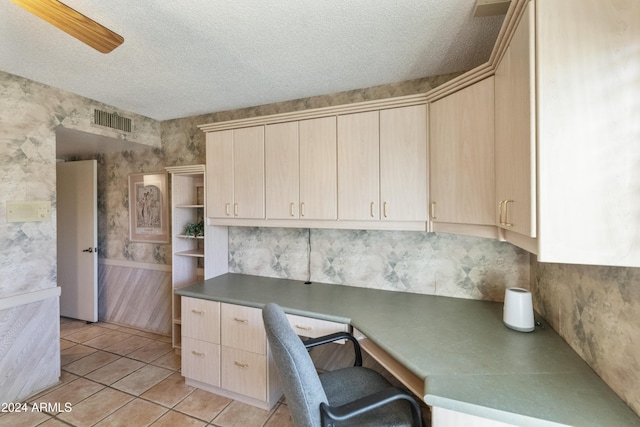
(518, 310)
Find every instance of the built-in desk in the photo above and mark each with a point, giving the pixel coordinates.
(469, 361)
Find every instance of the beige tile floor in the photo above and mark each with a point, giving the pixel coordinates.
(118, 376)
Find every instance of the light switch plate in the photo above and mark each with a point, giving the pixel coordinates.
(28, 210)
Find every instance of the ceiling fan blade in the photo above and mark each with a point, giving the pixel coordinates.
(74, 23)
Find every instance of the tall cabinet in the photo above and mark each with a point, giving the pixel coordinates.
(198, 251)
(567, 132)
(515, 130)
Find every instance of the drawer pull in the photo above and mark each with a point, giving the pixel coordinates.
(244, 321)
(198, 312)
(241, 365)
(304, 328)
(197, 353)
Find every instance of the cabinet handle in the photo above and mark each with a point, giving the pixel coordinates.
(241, 365)
(304, 328)
(198, 312)
(433, 210)
(302, 209)
(291, 209)
(227, 209)
(197, 353)
(500, 207)
(384, 209)
(244, 321)
(371, 209)
(506, 213)
(235, 209)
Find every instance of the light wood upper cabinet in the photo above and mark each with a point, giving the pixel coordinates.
(318, 169)
(301, 176)
(282, 170)
(220, 176)
(461, 158)
(359, 166)
(248, 164)
(362, 167)
(515, 138)
(403, 164)
(382, 165)
(588, 102)
(236, 182)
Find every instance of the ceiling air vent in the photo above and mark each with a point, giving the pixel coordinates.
(111, 120)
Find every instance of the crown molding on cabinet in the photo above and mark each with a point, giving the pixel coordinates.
(401, 101)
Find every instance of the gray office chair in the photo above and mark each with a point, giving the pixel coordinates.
(353, 396)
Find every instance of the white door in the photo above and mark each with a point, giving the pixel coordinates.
(77, 239)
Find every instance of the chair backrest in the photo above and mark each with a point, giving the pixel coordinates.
(302, 386)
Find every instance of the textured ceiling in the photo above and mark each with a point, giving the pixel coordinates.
(184, 58)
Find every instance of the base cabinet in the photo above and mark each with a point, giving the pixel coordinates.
(225, 350)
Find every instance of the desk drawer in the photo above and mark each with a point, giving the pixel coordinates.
(243, 328)
(201, 319)
(244, 372)
(201, 361)
(313, 328)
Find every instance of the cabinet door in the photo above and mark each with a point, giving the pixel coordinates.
(201, 361)
(318, 169)
(281, 167)
(358, 166)
(403, 163)
(201, 319)
(248, 172)
(461, 156)
(589, 133)
(515, 132)
(219, 174)
(242, 328)
(244, 372)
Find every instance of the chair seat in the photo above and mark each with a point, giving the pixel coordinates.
(348, 384)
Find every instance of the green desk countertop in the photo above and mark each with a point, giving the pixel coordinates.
(469, 360)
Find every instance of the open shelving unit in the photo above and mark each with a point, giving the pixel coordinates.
(194, 257)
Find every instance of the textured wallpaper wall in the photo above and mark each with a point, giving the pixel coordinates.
(30, 112)
(409, 261)
(597, 311)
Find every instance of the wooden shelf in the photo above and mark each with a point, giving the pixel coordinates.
(190, 206)
(183, 236)
(197, 253)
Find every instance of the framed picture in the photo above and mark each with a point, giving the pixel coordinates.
(148, 208)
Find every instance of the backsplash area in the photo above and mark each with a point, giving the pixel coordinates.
(409, 261)
(596, 310)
